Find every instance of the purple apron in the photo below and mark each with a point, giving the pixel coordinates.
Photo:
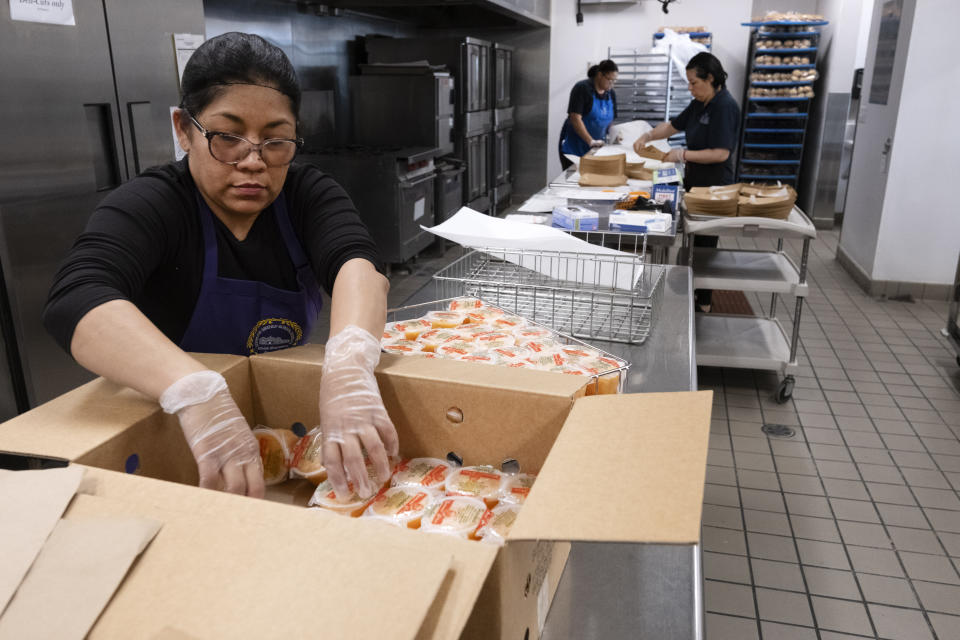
(245, 317)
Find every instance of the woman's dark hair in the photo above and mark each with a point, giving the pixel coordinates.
(236, 58)
(606, 66)
(705, 64)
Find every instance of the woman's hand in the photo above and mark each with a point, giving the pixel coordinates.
(641, 142)
(218, 435)
(674, 155)
(352, 413)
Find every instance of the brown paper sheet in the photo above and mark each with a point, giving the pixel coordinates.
(31, 503)
(74, 577)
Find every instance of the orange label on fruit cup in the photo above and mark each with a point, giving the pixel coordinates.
(299, 450)
(436, 475)
(443, 512)
(470, 473)
(487, 516)
(558, 359)
(576, 352)
(414, 504)
(611, 362)
(520, 491)
(398, 347)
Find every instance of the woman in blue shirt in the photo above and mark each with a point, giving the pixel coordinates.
(592, 107)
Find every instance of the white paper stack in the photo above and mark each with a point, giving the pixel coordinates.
(475, 230)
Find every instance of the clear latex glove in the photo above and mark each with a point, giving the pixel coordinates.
(352, 414)
(596, 143)
(222, 443)
(674, 155)
(641, 142)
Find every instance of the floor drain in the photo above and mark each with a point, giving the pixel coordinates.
(778, 430)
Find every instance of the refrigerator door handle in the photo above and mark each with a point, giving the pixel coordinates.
(137, 111)
(103, 143)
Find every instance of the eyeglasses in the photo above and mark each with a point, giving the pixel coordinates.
(229, 148)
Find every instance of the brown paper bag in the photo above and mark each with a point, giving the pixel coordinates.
(603, 171)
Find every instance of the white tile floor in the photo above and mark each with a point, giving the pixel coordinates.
(850, 528)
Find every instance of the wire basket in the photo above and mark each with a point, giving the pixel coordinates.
(573, 293)
(414, 311)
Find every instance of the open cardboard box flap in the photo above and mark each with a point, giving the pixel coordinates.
(640, 488)
(219, 554)
(227, 566)
(101, 411)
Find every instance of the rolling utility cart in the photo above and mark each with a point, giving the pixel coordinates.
(750, 342)
(781, 72)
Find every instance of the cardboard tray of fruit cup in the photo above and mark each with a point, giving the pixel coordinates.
(743, 200)
(625, 468)
(610, 380)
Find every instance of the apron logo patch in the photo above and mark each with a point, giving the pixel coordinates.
(273, 334)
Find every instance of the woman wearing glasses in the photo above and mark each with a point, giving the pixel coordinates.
(592, 107)
(225, 252)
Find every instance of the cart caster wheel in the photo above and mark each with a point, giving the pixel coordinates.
(785, 390)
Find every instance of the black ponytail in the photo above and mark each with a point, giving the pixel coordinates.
(605, 66)
(706, 64)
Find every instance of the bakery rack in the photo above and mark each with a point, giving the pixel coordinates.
(774, 127)
(573, 293)
(410, 312)
(650, 86)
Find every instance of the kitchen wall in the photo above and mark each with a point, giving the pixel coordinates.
(920, 228)
(573, 48)
(900, 227)
(321, 48)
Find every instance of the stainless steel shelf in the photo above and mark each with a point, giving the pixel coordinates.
(742, 270)
(742, 342)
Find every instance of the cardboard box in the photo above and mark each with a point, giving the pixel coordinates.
(620, 468)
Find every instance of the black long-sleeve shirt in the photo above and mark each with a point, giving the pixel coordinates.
(144, 243)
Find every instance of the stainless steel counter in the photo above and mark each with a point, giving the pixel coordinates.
(613, 591)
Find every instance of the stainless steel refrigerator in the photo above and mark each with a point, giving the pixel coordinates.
(83, 108)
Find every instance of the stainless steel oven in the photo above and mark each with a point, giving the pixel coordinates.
(421, 106)
(502, 79)
(502, 177)
(476, 186)
(449, 188)
(392, 188)
(469, 62)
